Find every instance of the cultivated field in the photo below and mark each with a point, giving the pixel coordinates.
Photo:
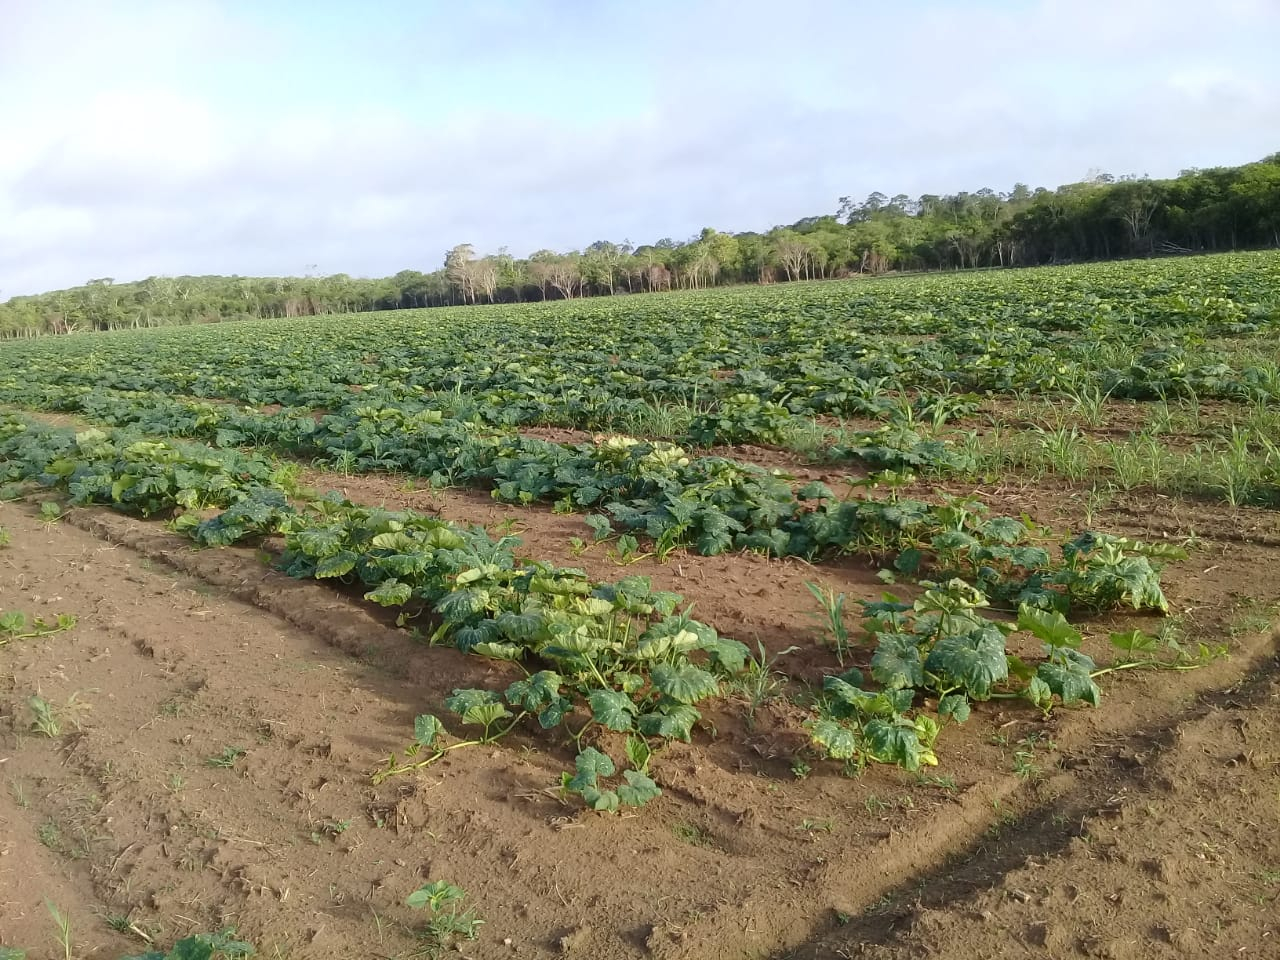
(925, 616)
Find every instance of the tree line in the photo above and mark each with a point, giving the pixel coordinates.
(1102, 217)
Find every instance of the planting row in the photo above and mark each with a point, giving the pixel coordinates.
(590, 660)
(733, 364)
(708, 504)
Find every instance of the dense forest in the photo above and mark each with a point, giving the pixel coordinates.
(1224, 208)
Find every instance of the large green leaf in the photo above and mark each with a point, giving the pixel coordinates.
(974, 662)
(523, 626)
(536, 691)
(849, 701)
(729, 655)
(426, 729)
(485, 714)
(605, 801)
(896, 663)
(319, 541)
(671, 721)
(1049, 626)
(1070, 680)
(463, 700)
(638, 789)
(498, 651)
(1007, 530)
(954, 706)
(390, 593)
(684, 682)
(590, 765)
(554, 712)
(1038, 693)
(612, 709)
(337, 565)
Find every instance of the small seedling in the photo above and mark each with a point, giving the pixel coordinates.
(815, 826)
(227, 758)
(448, 919)
(332, 829)
(51, 511)
(45, 719)
(201, 946)
(627, 551)
(15, 625)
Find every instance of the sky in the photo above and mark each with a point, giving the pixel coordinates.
(271, 137)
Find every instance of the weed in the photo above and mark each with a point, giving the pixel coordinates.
(331, 829)
(1024, 764)
(760, 682)
(945, 783)
(815, 826)
(45, 719)
(62, 924)
(1064, 449)
(227, 758)
(50, 835)
(875, 805)
(832, 617)
(691, 834)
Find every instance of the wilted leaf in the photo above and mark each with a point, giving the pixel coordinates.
(890, 742)
(839, 742)
(390, 593)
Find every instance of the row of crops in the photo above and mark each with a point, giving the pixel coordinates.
(444, 395)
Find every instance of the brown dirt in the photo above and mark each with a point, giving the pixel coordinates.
(180, 653)
(746, 595)
(1168, 847)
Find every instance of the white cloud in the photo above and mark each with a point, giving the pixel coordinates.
(150, 138)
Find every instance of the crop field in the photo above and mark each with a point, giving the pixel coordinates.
(919, 616)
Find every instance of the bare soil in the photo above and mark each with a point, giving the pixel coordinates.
(1148, 826)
